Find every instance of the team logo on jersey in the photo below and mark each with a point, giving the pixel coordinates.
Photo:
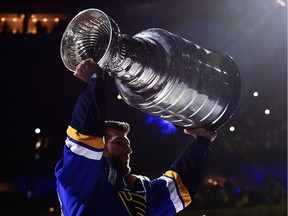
(134, 203)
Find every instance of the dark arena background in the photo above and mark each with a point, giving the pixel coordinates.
(248, 173)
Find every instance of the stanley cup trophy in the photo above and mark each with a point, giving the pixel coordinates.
(157, 71)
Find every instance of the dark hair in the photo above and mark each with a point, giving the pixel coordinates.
(117, 125)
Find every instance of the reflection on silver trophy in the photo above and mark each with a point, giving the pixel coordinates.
(156, 71)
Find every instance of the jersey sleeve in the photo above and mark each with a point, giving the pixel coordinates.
(174, 191)
(80, 166)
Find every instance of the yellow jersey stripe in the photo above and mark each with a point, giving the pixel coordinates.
(92, 141)
(181, 187)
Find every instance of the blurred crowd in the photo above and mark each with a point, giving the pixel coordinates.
(270, 192)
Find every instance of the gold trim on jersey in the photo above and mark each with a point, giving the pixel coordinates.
(95, 142)
(135, 203)
(181, 187)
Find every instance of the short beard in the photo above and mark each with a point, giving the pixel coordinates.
(122, 170)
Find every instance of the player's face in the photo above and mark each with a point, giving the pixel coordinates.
(117, 151)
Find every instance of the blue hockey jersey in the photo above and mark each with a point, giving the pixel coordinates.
(88, 185)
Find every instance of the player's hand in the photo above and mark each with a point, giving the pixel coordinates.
(211, 135)
(85, 69)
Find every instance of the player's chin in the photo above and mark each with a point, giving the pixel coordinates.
(122, 166)
(125, 170)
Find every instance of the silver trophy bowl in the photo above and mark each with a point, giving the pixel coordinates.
(156, 71)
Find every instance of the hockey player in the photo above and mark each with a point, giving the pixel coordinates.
(93, 177)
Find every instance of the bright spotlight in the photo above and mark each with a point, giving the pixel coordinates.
(37, 130)
(232, 128)
(267, 111)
